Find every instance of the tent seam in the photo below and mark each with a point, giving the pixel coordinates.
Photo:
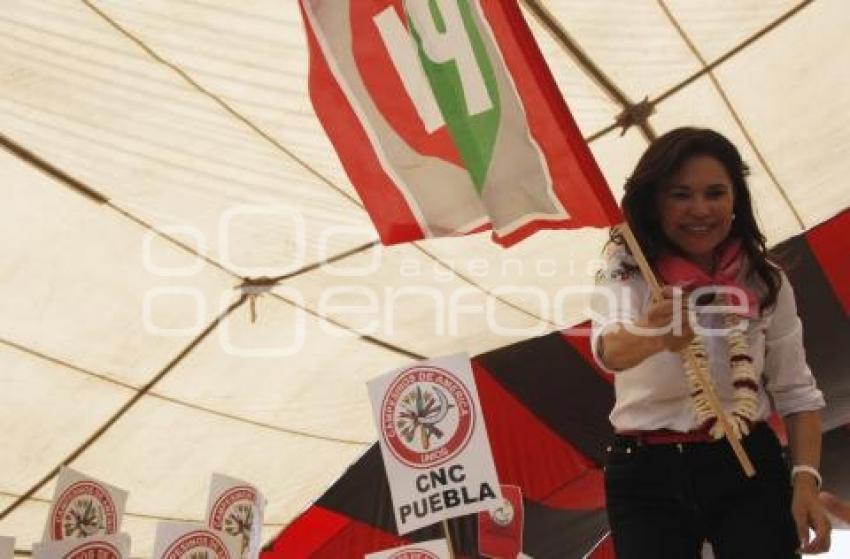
(733, 51)
(726, 101)
(716, 63)
(591, 69)
(485, 290)
(66, 179)
(180, 402)
(123, 410)
(219, 101)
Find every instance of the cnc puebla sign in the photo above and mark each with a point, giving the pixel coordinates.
(434, 442)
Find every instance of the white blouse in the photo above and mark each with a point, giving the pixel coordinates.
(654, 394)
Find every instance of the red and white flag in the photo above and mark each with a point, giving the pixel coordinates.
(448, 121)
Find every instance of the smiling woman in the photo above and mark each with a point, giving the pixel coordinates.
(670, 480)
(695, 208)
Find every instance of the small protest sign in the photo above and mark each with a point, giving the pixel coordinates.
(433, 442)
(236, 508)
(183, 540)
(433, 549)
(95, 547)
(83, 507)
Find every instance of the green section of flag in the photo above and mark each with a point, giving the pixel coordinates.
(473, 135)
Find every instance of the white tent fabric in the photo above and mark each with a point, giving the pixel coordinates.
(191, 121)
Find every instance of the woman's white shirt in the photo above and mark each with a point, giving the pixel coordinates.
(655, 395)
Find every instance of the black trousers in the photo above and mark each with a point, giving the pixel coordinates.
(665, 500)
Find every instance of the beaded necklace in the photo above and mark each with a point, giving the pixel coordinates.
(744, 380)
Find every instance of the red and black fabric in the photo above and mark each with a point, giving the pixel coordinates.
(818, 265)
(549, 448)
(546, 406)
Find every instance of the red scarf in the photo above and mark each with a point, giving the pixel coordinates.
(679, 271)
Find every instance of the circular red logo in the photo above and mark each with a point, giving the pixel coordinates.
(233, 513)
(198, 543)
(427, 416)
(94, 550)
(83, 510)
(414, 553)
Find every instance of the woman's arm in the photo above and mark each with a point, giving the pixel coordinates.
(804, 441)
(625, 346)
(621, 349)
(797, 398)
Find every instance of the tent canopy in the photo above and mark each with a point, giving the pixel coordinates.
(159, 153)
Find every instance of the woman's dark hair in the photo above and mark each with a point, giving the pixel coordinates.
(664, 157)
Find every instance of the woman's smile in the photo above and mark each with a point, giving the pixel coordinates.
(695, 208)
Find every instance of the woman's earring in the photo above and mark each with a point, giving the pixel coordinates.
(733, 216)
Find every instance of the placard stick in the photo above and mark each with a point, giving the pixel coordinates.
(711, 395)
(449, 539)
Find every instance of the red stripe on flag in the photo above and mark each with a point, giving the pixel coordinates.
(323, 534)
(356, 540)
(529, 454)
(306, 534)
(577, 179)
(390, 213)
(830, 243)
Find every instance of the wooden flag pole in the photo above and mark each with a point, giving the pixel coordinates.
(711, 395)
(449, 539)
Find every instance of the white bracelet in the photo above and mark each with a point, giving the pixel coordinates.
(809, 470)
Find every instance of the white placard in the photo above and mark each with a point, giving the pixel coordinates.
(83, 507)
(433, 442)
(433, 549)
(96, 547)
(236, 508)
(7, 547)
(184, 540)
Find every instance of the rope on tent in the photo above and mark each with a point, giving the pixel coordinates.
(593, 71)
(486, 291)
(63, 177)
(95, 196)
(219, 101)
(633, 114)
(123, 409)
(735, 50)
(716, 83)
(183, 403)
